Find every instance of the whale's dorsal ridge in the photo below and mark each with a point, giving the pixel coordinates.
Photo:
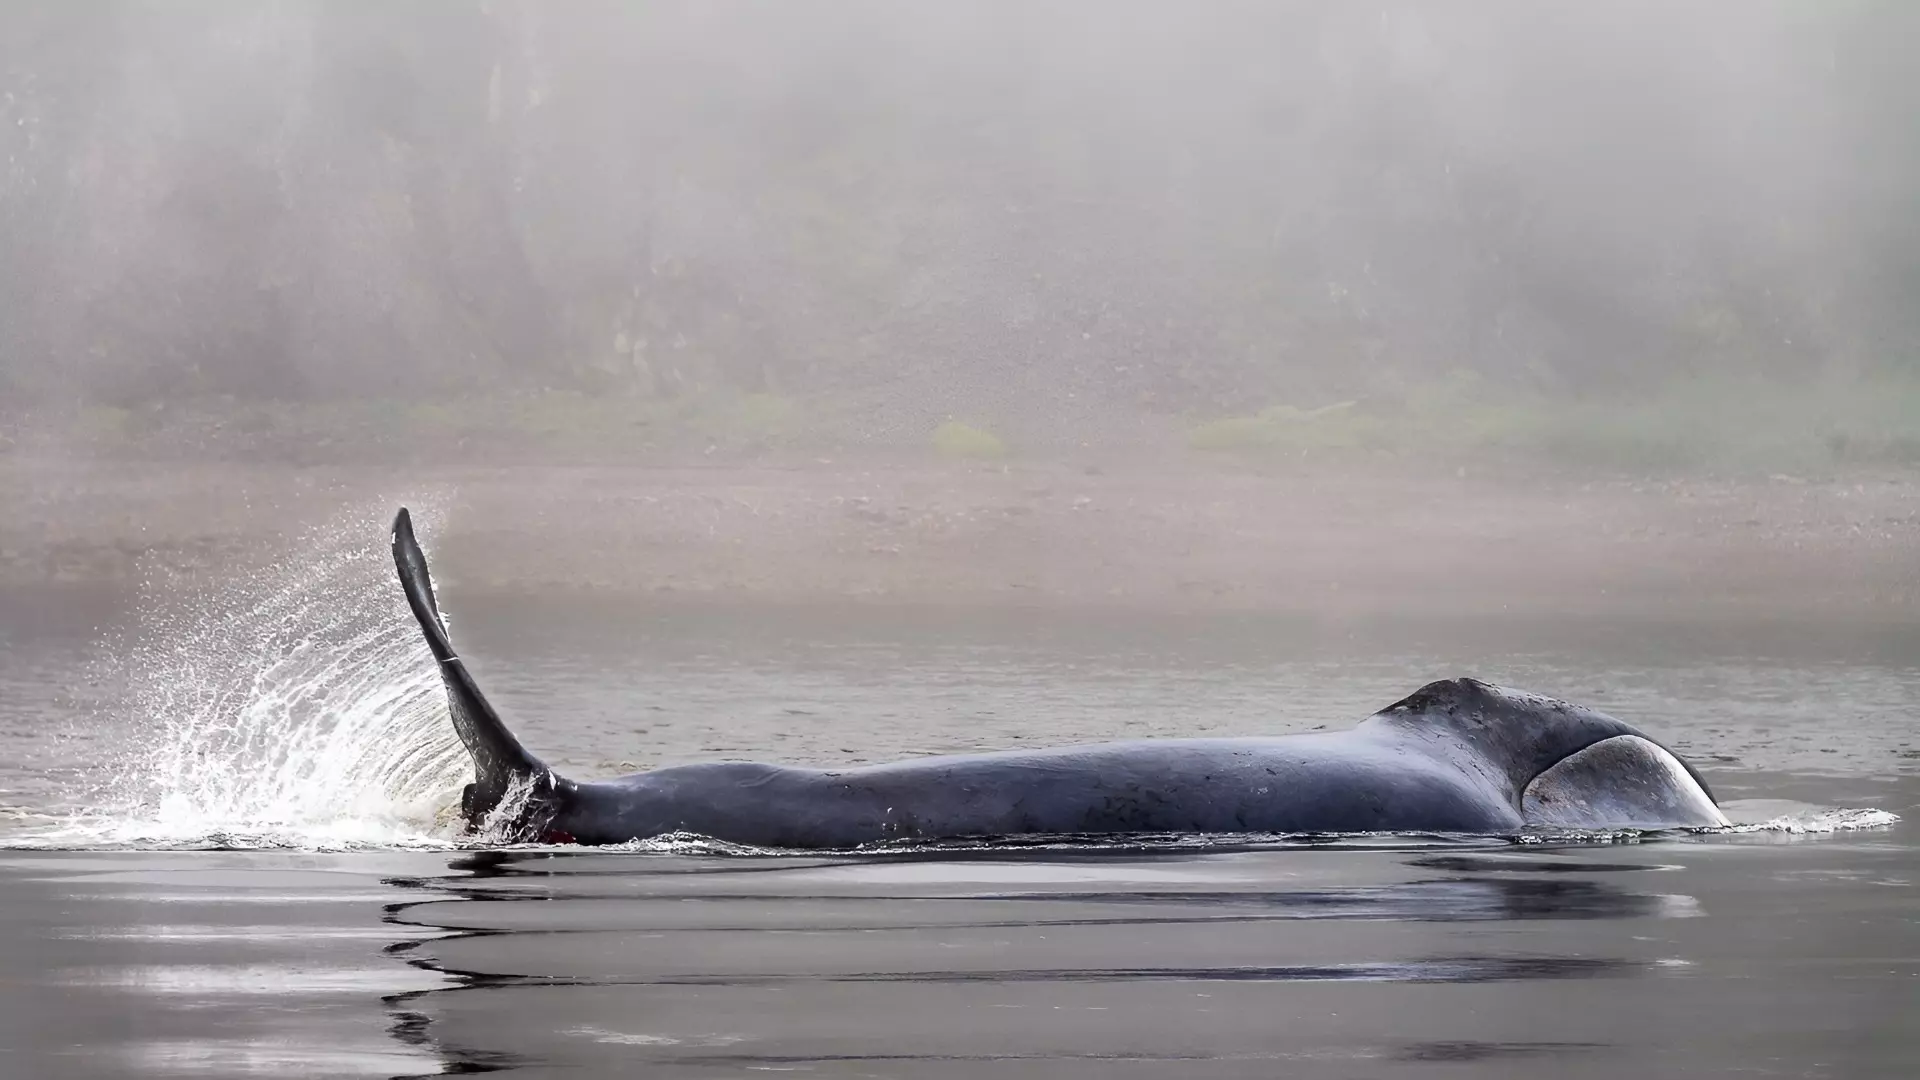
(1466, 698)
(1445, 696)
(1518, 731)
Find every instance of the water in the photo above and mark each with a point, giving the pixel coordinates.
(229, 852)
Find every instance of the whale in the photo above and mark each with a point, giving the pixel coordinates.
(1457, 756)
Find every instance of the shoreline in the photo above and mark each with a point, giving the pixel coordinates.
(1329, 539)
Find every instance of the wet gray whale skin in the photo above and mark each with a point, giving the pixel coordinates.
(1456, 756)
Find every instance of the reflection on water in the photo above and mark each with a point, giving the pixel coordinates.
(1214, 961)
(760, 934)
(1658, 956)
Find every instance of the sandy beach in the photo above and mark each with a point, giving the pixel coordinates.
(1332, 539)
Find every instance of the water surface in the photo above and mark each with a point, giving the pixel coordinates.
(359, 939)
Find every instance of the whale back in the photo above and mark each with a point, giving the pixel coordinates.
(1516, 734)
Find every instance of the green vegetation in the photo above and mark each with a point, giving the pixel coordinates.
(1703, 422)
(103, 422)
(1285, 428)
(619, 424)
(956, 440)
(541, 424)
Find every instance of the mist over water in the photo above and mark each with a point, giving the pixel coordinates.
(761, 224)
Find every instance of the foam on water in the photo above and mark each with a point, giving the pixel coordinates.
(1824, 821)
(295, 707)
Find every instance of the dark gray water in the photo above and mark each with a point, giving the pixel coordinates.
(1761, 955)
(356, 939)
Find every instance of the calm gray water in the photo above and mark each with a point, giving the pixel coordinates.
(350, 937)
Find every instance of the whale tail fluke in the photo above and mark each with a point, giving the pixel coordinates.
(500, 764)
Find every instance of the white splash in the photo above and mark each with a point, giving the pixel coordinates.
(296, 708)
(496, 828)
(1824, 821)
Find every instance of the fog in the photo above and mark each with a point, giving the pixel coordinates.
(849, 381)
(1063, 222)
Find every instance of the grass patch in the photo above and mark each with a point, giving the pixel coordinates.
(1743, 424)
(1740, 424)
(104, 423)
(1726, 424)
(1450, 415)
(759, 418)
(956, 440)
(566, 423)
(574, 421)
(1288, 429)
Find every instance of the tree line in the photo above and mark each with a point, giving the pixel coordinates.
(1129, 206)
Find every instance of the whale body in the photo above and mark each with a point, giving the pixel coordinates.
(1456, 756)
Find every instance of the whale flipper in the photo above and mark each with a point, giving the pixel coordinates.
(1627, 778)
(498, 758)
